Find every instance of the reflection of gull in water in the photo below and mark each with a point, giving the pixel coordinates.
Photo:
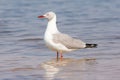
(52, 67)
(50, 71)
(67, 68)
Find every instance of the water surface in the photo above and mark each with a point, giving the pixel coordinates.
(24, 56)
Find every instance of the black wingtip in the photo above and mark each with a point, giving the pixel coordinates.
(91, 45)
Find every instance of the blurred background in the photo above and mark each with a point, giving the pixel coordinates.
(22, 45)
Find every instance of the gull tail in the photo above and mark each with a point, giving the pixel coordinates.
(91, 45)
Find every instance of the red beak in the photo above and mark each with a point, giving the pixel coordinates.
(41, 16)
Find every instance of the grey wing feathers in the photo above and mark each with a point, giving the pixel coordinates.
(68, 41)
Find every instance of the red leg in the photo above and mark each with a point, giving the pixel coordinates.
(61, 56)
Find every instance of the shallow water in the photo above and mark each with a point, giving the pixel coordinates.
(24, 56)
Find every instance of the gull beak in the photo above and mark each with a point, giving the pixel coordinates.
(41, 16)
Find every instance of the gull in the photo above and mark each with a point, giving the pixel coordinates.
(60, 42)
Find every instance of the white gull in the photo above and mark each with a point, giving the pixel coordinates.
(59, 42)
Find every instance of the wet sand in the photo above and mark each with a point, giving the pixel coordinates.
(21, 67)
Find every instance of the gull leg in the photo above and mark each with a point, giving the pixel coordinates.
(61, 56)
(57, 55)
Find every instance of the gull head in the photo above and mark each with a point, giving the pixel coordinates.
(48, 15)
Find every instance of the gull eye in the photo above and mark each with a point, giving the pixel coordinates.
(47, 14)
